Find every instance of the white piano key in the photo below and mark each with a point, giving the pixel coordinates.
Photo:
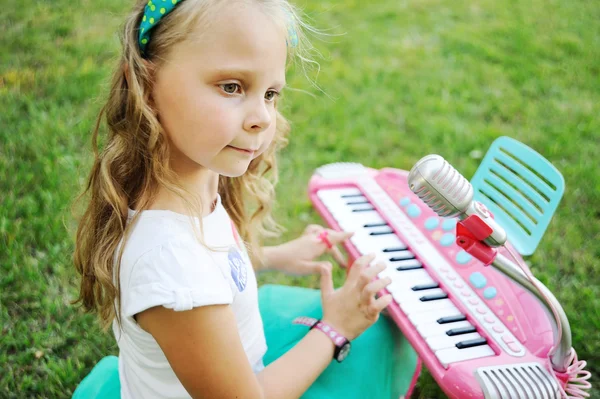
(443, 341)
(414, 307)
(366, 243)
(452, 355)
(432, 329)
(432, 316)
(409, 278)
(376, 243)
(357, 220)
(325, 194)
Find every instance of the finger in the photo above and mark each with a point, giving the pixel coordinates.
(315, 267)
(339, 258)
(313, 229)
(358, 266)
(369, 273)
(368, 293)
(379, 304)
(336, 237)
(374, 269)
(326, 280)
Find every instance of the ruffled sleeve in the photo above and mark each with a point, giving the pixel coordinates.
(180, 275)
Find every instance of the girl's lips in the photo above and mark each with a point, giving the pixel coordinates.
(242, 150)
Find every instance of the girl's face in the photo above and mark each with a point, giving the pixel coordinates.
(215, 96)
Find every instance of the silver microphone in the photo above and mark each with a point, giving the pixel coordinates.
(449, 194)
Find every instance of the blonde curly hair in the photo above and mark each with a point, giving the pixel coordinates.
(134, 163)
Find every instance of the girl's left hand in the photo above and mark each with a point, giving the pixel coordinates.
(299, 256)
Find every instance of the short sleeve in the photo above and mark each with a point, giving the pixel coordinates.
(180, 275)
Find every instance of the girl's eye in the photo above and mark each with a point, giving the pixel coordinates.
(270, 95)
(230, 88)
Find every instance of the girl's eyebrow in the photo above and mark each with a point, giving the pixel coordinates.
(244, 73)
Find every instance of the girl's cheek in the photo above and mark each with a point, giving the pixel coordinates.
(267, 142)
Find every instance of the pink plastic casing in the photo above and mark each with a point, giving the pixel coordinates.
(515, 307)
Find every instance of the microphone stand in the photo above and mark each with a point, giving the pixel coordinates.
(561, 350)
(471, 235)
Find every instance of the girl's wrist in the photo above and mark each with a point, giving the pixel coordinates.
(269, 258)
(338, 328)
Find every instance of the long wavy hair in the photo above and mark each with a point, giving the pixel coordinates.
(134, 163)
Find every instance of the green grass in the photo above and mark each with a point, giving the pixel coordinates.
(406, 79)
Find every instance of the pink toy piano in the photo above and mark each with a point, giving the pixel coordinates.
(480, 334)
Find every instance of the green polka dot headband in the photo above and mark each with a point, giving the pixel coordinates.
(153, 12)
(158, 9)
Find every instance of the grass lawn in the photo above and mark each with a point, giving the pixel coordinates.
(406, 78)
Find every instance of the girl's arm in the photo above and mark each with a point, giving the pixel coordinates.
(204, 348)
(205, 351)
(299, 256)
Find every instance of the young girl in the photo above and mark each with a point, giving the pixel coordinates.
(180, 191)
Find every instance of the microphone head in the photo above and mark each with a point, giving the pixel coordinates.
(440, 186)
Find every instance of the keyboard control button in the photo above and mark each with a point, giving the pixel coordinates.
(514, 347)
(462, 258)
(449, 224)
(447, 239)
(489, 293)
(404, 201)
(432, 223)
(498, 329)
(413, 211)
(508, 339)
(478, 280)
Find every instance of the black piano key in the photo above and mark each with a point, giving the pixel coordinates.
(352, 195)
(409, 267)
(433, 297)
(366, 226)
(380, 233)
(471, 343)
(425, 287)
(451, 319)
(462, 330)
(397, 258)
(362, 210)
(394, 249)
(357, 202)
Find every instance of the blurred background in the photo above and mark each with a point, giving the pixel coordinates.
(401, 79)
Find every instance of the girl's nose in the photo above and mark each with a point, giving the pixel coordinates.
(258, 117)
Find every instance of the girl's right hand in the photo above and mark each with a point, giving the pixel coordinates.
(353, 308)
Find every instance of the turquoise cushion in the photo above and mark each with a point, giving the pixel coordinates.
(102, 382)
(381, 363)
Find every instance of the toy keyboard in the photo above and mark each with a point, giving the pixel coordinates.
(480, 334)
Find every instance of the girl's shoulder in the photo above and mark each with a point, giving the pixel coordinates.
(164, 262)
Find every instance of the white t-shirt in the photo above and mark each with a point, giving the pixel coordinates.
(164, 265)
